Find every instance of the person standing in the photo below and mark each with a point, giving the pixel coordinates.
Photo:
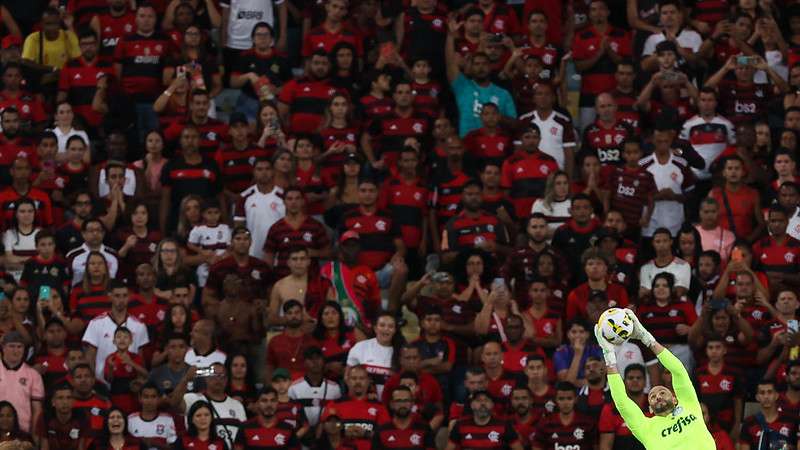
(138, 63)
(260, 206)
(23, 386)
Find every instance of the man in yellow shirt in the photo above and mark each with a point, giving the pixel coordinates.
(53, 46)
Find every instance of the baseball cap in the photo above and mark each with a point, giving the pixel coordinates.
(280, 373)
(347, 235)
(237, 117)
(11, 40)
(13, 337)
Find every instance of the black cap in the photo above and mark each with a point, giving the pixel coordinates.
(238, 117)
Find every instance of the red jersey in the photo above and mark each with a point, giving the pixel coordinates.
(488, 147)
(212, 134)
(770, 256)
(662, 320)
(744, 103)
(579, 298)
(464, 231)
(44, 209)
(112, 29)
(426, 97)
(741, 203)
(377, 231)
(321, 39)
(253, 435)
(307, 100)
(142, 59)
(390, 131)
(237, 165)
(496, 434)
(718, 391)
(606, 143)
(31, 110)
(501, 19)
(282, 236)
(353, 412)
(630, 191)
(525, 178)
(407, 201)
(417, 436)
(600, 77)
(549, 54)
(579, 434)
(331, 165)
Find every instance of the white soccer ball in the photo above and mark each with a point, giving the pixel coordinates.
(616, 325)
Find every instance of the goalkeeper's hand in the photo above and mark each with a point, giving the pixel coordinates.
(639, 331)
(608, 348)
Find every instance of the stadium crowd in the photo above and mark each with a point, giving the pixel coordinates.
(333, 224)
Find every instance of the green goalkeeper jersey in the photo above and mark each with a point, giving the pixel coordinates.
(684, 429)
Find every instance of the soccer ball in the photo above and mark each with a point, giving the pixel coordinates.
(616, 325)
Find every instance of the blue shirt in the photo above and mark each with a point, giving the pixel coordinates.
(470, 98)
(563, 357)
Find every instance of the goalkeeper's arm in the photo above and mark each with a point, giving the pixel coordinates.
(681, 383)
(628, 409)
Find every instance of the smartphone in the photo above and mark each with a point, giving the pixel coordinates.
(719, 303)
(44, 293)
(498, 283)
(204, 372)
(742, 60)
(737, 255)
(793, 326)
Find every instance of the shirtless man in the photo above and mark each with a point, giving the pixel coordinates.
(254, 273)
(299, 285)
(240, 322)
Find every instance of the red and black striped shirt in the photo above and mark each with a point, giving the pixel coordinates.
(282, 237)
(390, 131)
(307, 100)
(377, 232)
(662, 320)
(630, 190)
(78, 79)
(770, 256)
(212, 134)
(237, 165)
(112, 29)
(142, 59)
(408, 204)
(416, 436)
(580, 434)
(331, 166)
(467, 434)
(464, 231)
(86, 305)
(718, 391)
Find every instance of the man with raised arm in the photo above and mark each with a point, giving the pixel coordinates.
(677, 421)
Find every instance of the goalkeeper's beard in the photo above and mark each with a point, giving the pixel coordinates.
(663, 406)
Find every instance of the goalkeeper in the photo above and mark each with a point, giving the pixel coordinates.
(677, 424)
